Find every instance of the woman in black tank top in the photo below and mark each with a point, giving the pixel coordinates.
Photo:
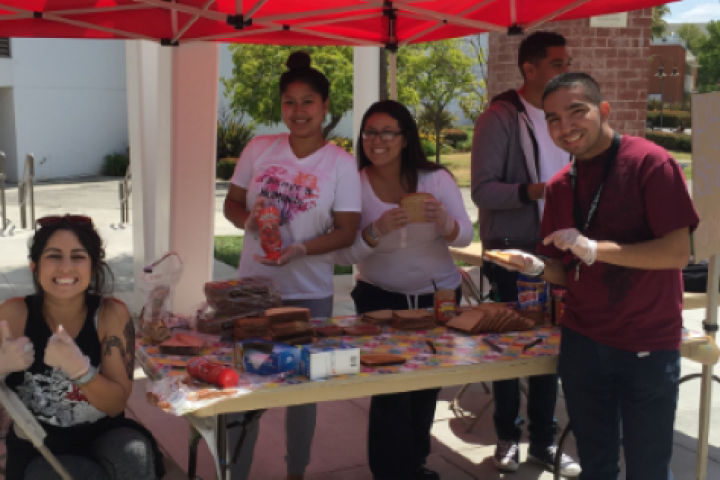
(78, 382)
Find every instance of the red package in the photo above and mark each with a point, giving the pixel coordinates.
(220, 375)
(270, 239)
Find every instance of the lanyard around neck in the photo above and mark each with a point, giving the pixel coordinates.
(609, 163)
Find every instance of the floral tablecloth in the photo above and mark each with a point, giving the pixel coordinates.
(174, 392)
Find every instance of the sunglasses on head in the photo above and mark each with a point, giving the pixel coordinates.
(55, 219)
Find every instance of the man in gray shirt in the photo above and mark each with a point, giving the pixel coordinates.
(513, 157)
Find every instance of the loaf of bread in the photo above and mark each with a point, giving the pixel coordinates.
(256, 327)
(247, 295)
(413, 320)
(378, 317)
(490, 318)
(362, 330)
(328, 331)
(294, 333)
(414, 204)
(287, 314)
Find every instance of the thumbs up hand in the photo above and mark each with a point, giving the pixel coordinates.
(62, 352)
(15, 355)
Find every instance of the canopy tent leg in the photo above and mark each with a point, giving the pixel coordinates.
(172, 115)
(707, 370)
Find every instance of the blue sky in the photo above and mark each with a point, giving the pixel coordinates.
(693, 11)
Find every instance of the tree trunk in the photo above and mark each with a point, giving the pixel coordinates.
(383, 74)
(437, 145)
(334, 120)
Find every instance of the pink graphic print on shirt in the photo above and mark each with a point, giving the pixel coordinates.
(292, 192)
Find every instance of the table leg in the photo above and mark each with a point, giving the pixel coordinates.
(221, 441)
(195, 438)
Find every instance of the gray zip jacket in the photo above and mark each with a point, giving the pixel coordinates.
(504, 162)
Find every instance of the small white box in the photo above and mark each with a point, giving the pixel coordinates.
(321, 361)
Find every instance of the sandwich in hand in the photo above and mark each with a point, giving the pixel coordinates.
(414, 203)
(505, 259)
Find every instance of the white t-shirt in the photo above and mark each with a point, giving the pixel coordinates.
(306, 192)
(425, 257)
(552, 157)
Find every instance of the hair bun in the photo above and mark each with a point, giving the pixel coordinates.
(299, 59)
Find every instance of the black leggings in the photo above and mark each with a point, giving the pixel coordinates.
(400, 423)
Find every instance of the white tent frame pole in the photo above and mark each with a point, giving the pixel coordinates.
(298, 16)
(422, 33)
(92, 26)
(83, 11)
(551, 16)
(454, 19)
(239, 34)
(195, 18)
(711, 319)
(334, 20)
(393, 76)
(258, 5)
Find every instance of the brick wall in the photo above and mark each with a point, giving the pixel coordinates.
(616, 57)
(673, 56)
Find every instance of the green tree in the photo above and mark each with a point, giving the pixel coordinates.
(254, 89)
(430, 76)
(694, 37)
(709, 59)
(658, 23)
(475, 103)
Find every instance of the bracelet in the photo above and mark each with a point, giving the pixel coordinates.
(88, 377)
(371, 233)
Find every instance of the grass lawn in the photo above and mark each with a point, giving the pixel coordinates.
(227, 250)
(459, 165)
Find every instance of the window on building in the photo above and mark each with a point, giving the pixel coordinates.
(4, 48)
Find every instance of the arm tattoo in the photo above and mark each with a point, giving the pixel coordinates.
(127, 351)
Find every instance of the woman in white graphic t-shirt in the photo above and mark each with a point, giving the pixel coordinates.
(316, 187)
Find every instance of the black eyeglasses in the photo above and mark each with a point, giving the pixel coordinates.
(385, 135)
(55, 219)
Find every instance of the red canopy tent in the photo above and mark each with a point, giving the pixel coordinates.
(291, 22)
(179, 116)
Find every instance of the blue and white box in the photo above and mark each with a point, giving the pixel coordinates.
(322, 361)
(263, 357)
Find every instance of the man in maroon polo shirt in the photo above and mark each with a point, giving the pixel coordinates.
(616, 234)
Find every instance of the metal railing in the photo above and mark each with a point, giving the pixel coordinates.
(3, 206)
(124, 192)
(26, 192)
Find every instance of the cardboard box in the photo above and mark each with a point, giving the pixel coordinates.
(263, 357)
(322, 361)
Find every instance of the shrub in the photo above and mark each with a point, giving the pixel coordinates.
(671, 141)
(343, 142)
(428, 147)
(671, 119)
(446, 150)
(226, 168)
(455, 135)
(465, 146)
(116, 164)
(232, 136)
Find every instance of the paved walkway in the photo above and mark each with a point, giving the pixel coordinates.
(339, 449)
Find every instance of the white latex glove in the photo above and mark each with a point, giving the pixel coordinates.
(435, 212)
(571, 239)
(15, 355)
(251, 224)
(531, 265)
(289, 254)
(62, 352)
(393, 219)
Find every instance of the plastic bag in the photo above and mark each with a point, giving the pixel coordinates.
(245, 296)
(156, 285)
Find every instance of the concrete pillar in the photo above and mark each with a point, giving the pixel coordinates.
(366, 82)
(172, 111)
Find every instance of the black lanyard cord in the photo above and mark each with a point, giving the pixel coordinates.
(609, 163)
